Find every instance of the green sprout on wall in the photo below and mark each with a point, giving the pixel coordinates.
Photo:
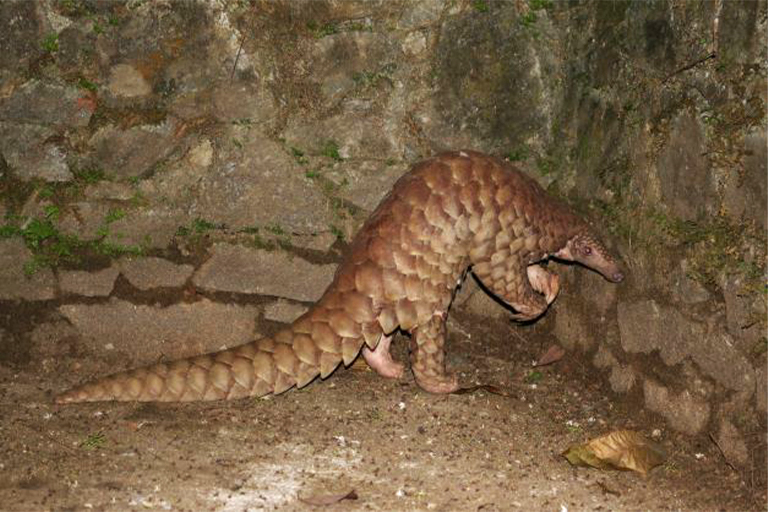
(50, 43)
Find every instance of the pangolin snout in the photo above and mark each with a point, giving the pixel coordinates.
(617, 276)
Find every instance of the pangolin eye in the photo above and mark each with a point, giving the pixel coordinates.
(587, 250)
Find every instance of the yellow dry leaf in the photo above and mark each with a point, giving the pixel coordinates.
(621, 449)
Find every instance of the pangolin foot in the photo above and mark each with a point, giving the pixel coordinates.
(447, 383)
(381, 360)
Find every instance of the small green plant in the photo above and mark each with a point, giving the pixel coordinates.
(528, 19)
(313, 174)
(276, 237)
(324, 30)
(50, 43)
(572, 427)
(47, 191)
(197, 227)
(246, 122)
(337, 232)
(533, 376)
(537, 5)
(299, 156)
(87, 85)
(546, 165)
(276, 229)
(51, 211)
(94, 441)
(518, 154)
(114, 250)
(365, 79)
(480, 6)
(89, 175)
(331, 150)
(114, 215)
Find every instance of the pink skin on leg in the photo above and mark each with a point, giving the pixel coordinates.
(381, 360)
(544, 282)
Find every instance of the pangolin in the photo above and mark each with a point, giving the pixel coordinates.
(451, 213)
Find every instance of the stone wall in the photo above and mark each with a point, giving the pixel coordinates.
(174, 176)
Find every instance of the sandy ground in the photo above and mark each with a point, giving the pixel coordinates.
(395, 446)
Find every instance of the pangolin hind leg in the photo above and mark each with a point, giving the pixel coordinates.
(428, 357)
(381, 360)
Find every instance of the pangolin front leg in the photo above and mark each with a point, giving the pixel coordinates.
(514, 286)
(428, 357)
(545, 282)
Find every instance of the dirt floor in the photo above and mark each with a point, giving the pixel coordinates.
(395, 446)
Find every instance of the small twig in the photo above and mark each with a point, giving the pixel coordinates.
(714, 441)
(693, 64)
(237, 57)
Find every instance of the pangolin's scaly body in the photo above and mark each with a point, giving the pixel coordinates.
(453, 212)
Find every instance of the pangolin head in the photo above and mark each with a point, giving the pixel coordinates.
(587, 249)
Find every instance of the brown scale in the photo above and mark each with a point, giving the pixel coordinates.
(454, 212)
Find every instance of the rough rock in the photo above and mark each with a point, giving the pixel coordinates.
(622, 378)
(682, 163)
(150, 272)
(731, 442)
(255, 185)
(110, 190)
(38, 102)
(421, 14)
(29, 151)
(471, 89)
(147, 227)
(116, 149)
(746, 195)
(14, 282)
(84, 219)
(340, 60)
(743, 313)
(646, 326)
(685, 289)
(126, 81)
(20, 27)
(233, 268)
(239, 102)
(88, 284)
(284, 311)
(570, 327)
(414, 44)
(147, 334)
(684, 412)
(761, 393)
(367, 182)
(356, 137)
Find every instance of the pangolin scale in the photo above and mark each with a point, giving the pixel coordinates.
(451, 213)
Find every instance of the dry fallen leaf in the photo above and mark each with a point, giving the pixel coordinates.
(482, 387)
(621, 449)
(552, 355)
(359, 365)
(329, 499)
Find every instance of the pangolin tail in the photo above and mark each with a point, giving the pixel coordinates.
(313, 345)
